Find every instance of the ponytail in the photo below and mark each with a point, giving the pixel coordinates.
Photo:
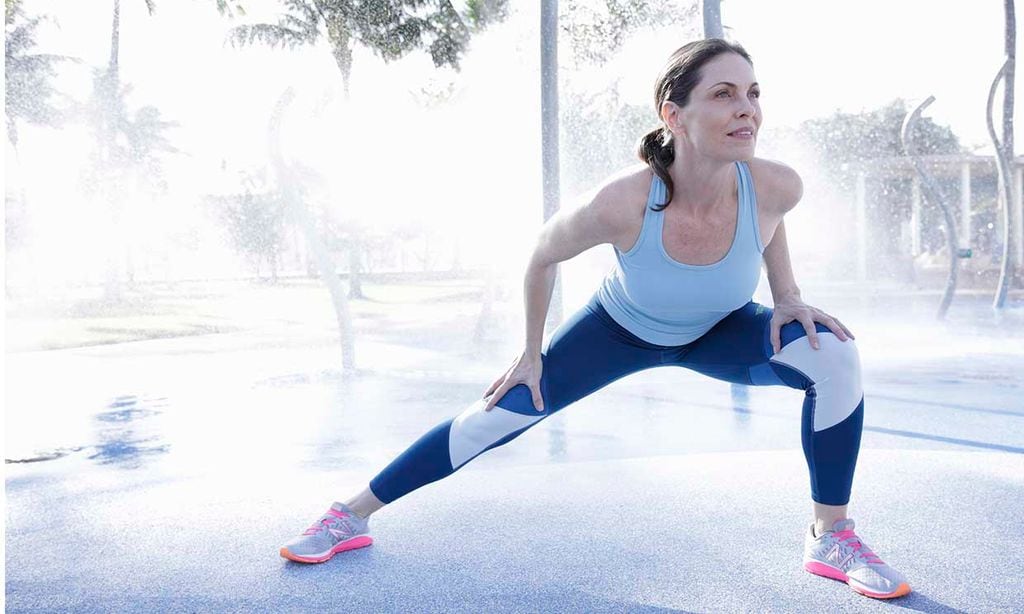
(656, 149)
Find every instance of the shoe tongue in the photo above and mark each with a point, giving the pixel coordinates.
(846, 524)
(340, 507)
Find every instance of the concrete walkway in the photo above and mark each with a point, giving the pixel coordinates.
(177, 467)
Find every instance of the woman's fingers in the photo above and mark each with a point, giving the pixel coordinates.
(812, 332)
(538, 400)
(833, 325)
(807, 317)
(776, 336)
(500, 392)
(845, 329)
(494, 386)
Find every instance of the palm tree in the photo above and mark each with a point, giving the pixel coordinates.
(30, 98)
(391, 30)
(30, 92)
(109, 86)
(128, 145)
(386, 29)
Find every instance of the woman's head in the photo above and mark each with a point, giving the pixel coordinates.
(705, 93)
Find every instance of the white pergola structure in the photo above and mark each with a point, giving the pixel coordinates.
(940, 166)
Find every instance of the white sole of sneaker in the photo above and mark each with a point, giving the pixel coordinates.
(824, 569)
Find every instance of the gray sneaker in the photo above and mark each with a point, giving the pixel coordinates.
(338, 530)
(840, 554)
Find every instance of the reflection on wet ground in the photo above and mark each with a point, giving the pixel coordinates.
(122, 435)
(250, 399)
(44, 456)
(323, 419)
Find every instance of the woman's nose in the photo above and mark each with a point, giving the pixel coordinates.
(746, 108)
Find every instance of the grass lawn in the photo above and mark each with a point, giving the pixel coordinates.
(206, 307)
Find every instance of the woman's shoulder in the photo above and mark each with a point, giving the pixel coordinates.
(623, 194)
(617, 203)
(778, 186)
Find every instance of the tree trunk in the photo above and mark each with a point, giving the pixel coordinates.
(112, 289)
(313, 241)
(355, 269)
(341, 50)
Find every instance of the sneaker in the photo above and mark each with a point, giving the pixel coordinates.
(338, 530)
(841, 555)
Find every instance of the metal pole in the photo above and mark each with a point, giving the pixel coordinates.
(713, 19)
(935, 197)
(915, 216)
(549, 130)
(965, 205)
(1006, 270)
(1018, 217)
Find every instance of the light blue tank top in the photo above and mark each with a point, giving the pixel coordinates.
(666, 302)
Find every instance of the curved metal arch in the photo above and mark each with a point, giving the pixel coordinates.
(934, 194)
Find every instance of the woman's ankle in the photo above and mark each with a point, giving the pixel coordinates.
(365, 503)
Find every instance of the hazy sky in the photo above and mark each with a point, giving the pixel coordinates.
(472, 165)
(811, 57)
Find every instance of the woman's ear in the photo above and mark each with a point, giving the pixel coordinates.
(671, 116)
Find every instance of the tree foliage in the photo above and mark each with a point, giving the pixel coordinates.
(844, 142)
(844, 138)
(389, 28)
(138, 136)
(31, 95)
(255, 220)
(596, 29)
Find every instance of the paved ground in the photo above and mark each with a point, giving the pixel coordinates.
(178, 466)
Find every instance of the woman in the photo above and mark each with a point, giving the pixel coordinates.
(690, 228)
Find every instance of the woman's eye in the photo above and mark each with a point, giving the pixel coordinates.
(755, 94)
(719, 94)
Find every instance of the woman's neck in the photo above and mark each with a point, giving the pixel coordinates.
(701, 185)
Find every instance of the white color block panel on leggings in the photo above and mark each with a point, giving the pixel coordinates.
(475, 429)
(835, 372)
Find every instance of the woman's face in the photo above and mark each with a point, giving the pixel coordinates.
(723, 115)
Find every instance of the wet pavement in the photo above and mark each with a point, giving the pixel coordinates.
(163, 475)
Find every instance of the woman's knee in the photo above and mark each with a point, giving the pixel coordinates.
(475, 430)
(834, 356)
(834, 372)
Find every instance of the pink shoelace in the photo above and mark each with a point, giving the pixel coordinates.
(321, 524)
(854, 541)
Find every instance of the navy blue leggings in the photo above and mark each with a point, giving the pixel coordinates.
(590, 350)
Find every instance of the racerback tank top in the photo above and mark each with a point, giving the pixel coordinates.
(666, 302)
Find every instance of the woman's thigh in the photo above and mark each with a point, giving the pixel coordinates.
(586, 353)
(738, 349)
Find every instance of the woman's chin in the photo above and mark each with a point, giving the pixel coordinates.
(746, 153)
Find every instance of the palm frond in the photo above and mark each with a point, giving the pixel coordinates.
(226, 7)
(269, 34)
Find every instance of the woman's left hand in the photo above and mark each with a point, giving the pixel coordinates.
(791, 309)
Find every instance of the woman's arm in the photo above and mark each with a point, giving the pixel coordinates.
(789, 305)
(567, 234)
(779, 268)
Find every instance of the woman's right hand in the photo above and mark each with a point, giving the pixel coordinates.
(526, 370)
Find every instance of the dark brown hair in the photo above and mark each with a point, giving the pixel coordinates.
(680, 75)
